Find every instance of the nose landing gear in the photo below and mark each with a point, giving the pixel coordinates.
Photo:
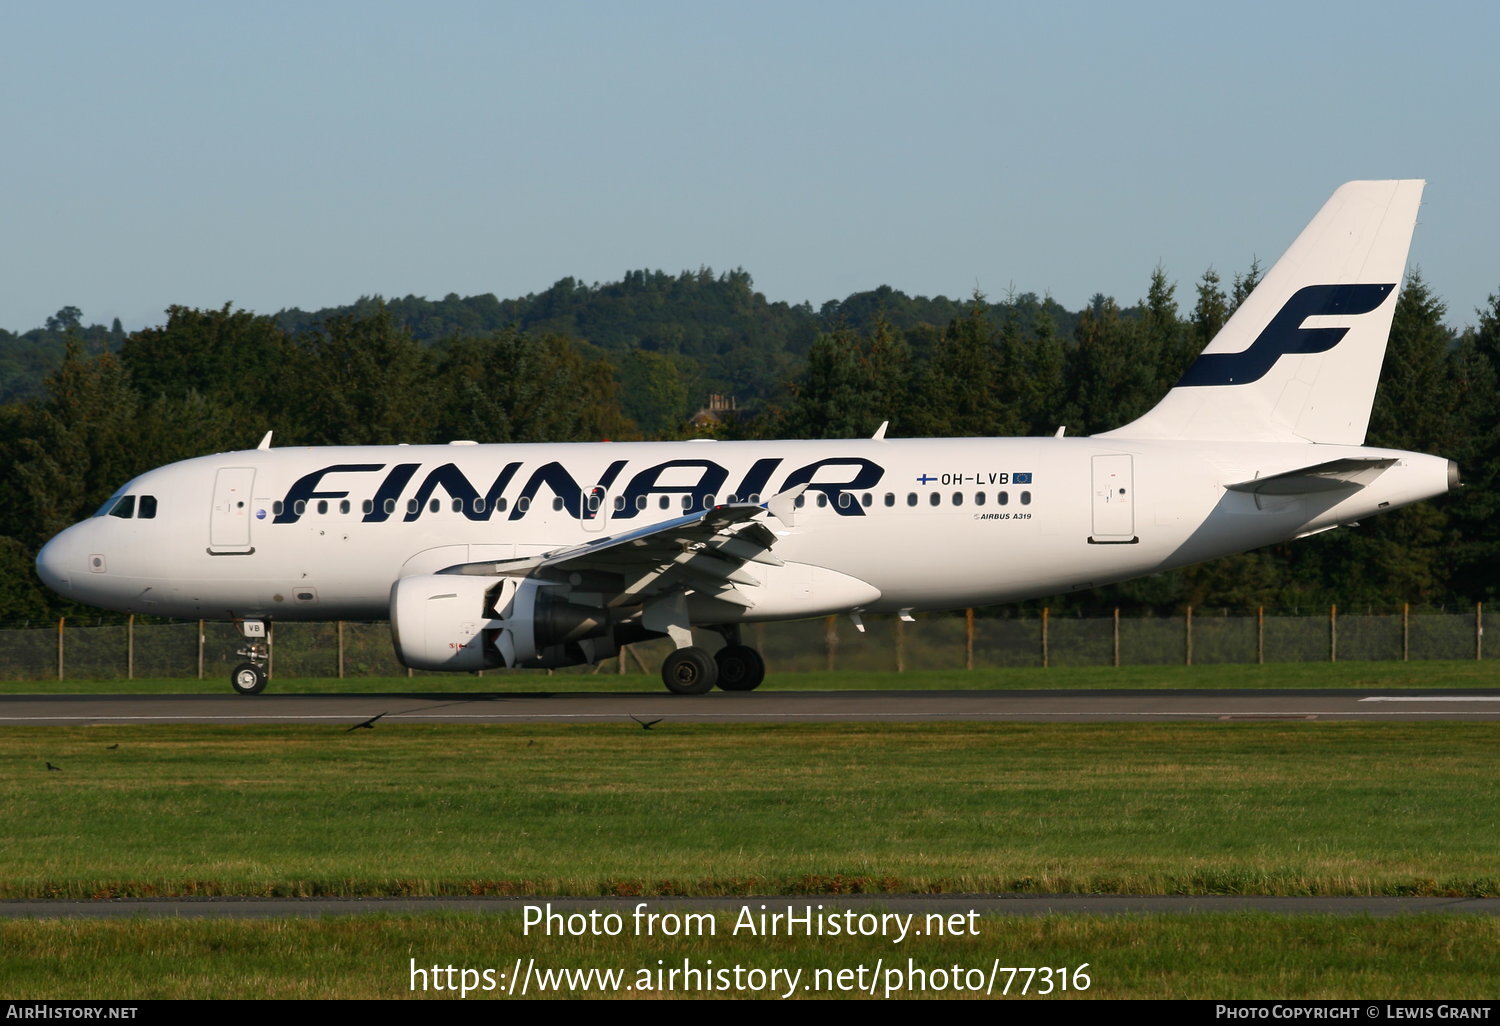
(249, 678)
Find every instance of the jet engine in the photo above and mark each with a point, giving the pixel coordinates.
(458, 622)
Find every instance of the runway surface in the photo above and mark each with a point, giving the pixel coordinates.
(1028, 905)
(769, 706)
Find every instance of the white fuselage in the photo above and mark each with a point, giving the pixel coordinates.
(887, 524)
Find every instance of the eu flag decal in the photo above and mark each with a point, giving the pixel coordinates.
(1021, 478)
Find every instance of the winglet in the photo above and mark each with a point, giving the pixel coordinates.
(782, 506)
(879, 434)
(265, 443)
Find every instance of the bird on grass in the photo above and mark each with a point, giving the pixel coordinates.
(646, 724)
(52, 767)
(368, 724)
(110, 748)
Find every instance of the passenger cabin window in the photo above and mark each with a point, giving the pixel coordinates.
(343, 505)
(1026, 498)
(322, 507)
(890, 498)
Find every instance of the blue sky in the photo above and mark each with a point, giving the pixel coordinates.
(276, 155)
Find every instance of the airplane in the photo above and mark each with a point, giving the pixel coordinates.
(550, 555)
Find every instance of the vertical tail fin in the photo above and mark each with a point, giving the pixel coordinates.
(1300, 358)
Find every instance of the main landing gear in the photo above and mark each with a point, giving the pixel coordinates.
(693, 671)
(249, 678)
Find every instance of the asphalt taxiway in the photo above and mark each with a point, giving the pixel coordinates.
(769, 706)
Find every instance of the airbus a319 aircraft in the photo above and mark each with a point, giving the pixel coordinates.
(555, 555)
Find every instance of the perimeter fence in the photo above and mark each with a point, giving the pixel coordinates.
(129, 650)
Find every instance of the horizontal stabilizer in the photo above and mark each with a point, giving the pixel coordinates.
(1353, 472)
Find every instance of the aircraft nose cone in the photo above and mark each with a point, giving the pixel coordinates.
(54, 566)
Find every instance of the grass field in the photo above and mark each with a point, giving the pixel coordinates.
(1425, 674)
(1174, 957)
(1269, 808)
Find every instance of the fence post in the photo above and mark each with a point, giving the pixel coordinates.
(1117, 637)
(60, 620)
(1405, 631)
(1333, 633)
(1478, 630)
(900, 645)
(830, 640)
(200, 649)
(968, 638)
(341, 650)
(130, 647)
(1045, 611)
(1188, 646)
(1260, 634)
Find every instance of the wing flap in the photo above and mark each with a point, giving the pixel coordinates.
(703, 552)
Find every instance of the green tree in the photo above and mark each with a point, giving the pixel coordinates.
(359, 380)
(832, 399)
(79, 444)
(654, 393)
(512, 386)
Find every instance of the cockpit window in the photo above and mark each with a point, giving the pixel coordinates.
(125, 508)
(147, 508)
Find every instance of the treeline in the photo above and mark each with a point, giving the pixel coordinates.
(634, 359)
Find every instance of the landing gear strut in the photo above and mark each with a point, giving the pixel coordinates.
(249, 678)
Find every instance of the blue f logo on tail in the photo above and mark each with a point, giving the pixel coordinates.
(1286, 336)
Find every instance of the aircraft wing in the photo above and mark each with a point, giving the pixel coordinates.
(704, 552)
(1353, 473)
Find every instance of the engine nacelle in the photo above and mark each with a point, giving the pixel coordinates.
(460, 622)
